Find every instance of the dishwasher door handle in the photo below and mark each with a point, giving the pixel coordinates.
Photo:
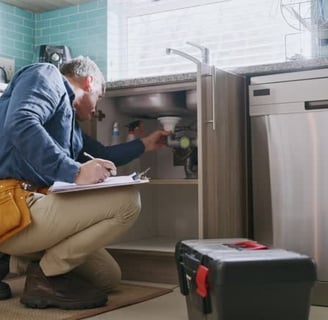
(317, 104)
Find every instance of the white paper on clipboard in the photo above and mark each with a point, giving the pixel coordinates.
(62, 187)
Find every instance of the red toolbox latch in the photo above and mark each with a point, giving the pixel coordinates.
(201, 281)
(250, 245)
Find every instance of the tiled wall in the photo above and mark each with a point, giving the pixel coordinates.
(82, 27)
(239, 32)
(16, 34)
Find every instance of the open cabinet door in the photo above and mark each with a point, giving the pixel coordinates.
(222, 156)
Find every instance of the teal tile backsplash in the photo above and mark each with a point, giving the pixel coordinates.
(16, 34)
(83, 28)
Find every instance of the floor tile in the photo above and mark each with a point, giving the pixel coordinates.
(172, 306)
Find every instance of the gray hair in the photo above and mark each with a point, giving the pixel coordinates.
(83, 67)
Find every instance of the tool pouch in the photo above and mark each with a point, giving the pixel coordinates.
(14, 212)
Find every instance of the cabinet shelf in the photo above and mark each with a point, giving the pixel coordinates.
(150, 259)
(152, 244)
(174, 181)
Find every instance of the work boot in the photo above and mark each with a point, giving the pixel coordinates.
(5, 292)
(66, 291)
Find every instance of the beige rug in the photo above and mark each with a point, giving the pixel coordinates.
(127, 294)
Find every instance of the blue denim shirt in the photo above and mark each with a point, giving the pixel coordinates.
(40, 138)
(40, 141)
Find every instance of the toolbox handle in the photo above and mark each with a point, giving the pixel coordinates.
(201, 281)
(250, 245)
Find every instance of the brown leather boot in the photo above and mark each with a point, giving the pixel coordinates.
(5, 292)
(66, 291)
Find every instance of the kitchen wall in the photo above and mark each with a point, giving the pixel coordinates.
(82, 27)
(16, 34)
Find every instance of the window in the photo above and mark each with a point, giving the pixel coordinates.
(237, 33)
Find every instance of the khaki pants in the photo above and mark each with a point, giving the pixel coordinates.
(69, 231)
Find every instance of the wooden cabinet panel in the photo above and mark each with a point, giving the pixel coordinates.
(223, 139)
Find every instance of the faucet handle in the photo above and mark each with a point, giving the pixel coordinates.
(205, 51)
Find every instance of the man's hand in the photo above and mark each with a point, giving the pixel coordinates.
(155, 140)
(94, 171)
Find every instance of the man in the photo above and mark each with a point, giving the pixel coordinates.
(59, 240)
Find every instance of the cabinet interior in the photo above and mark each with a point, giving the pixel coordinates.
(170, 201)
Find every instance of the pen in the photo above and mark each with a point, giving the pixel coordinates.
(112, 171)
(88, 155)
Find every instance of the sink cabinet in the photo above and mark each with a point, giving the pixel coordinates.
(223, 139)
(173, 207)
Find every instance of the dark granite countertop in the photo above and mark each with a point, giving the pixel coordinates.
(149, 81)
(289, 66)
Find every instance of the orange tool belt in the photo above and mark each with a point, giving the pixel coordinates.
(14, 212)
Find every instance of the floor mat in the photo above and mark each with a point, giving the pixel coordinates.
(126, 294)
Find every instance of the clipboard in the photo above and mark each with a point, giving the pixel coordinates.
(114, 181)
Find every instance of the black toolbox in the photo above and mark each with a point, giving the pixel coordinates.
(240, 279)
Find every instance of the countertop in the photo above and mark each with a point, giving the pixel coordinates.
(290, 66)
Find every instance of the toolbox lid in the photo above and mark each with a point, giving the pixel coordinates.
(257, 267)
(230, 265)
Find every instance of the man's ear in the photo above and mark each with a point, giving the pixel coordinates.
(87, 83)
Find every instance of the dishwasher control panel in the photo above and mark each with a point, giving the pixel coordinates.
(288, 92)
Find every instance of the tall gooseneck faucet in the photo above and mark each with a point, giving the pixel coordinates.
(183, 54)
(205, 51)
(202, 66)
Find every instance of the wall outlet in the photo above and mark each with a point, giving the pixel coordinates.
(9, 66)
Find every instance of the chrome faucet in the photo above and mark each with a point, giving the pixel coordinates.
(183, 54)
(202, 66)
(205, 51)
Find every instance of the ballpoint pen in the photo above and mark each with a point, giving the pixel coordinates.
(137, 176)
(112, 171)
(88, 155)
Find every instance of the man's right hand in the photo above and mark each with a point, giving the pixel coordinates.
(94, 171)
(155, 140)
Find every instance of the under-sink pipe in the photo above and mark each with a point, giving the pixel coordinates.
(174, 142)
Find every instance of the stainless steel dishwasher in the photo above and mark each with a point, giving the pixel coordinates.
(289, 143)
